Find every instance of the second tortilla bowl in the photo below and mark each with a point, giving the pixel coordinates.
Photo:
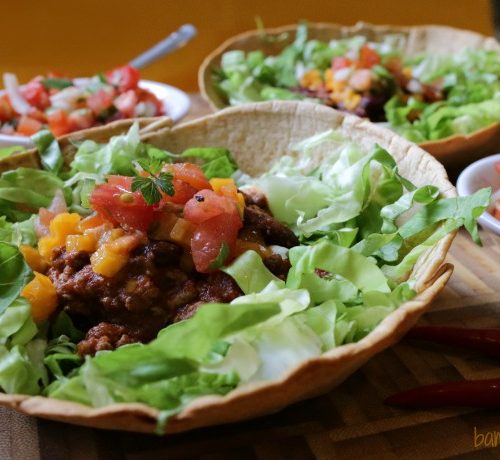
(257, 134)
(454, 152)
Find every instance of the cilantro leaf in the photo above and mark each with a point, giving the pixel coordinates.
(164, 183)
(148, 189)
(155, 182)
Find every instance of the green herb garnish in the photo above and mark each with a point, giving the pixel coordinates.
(218, 262)
(154, 183)
(57, 83)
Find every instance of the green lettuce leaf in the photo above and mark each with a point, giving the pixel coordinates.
(49, 151)
(14, 274)
(216, 162)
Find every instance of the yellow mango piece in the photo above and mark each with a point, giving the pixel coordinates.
(42, 295)
(217, 183)
(311, 79)
(33, 258)
(47, 244)
(106, 262)
(60, 227)
(240, 201)
(77, 243)
(124, 244)
(182, 232)
(65, 224)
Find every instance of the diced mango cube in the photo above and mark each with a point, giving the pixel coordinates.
(182, 232)
(60, 227)
(77, 243)
(65, 224)
(217, 183)
(106, 262)
(33, 258)
(42, 295)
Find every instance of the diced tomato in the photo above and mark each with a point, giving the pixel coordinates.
(119, 205)
(100, 101)
(207, 204)
(497, 167)
(126, 102)
(188, 179)
(58, 122)
(183, 192)
(38, 115)
(6, 110)
(340, 62)
(218, 221)
(124, 78)
(211, 236)
(368, 57)
(28, 126)
(81, 119)
(36, 94)
(189, 173)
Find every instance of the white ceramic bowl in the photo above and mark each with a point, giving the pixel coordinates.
(175, 102)
(481, 173)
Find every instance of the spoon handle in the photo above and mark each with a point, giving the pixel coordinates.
(169, 44)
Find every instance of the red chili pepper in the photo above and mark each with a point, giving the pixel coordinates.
(486, 341)
(468, 393)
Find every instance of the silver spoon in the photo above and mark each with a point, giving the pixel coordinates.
(169, 44)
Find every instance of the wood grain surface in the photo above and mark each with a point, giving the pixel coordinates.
(349, 422)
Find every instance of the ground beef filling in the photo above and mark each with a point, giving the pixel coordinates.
(154, 288)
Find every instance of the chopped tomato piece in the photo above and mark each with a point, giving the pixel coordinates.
(58, 122)
(189, 173)
(207, 204)
(124, 78)
(497, 167)
(183, 192)
(188, 179)
(368, 57)
(28, 126)
(218, 222)
(81, 119)
(6, 110)
(36, 94)
(340, 63)
(100, 101)
(210, 238)
(119, 205)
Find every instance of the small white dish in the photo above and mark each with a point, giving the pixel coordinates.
(175, 102)
(481, 173)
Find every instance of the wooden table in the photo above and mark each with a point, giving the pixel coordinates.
(349, 422)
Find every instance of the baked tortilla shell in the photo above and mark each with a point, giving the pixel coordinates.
(257, 134)
(454, 152)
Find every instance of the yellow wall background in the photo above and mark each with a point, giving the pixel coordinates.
(83, 37)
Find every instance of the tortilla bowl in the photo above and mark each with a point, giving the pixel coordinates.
(256, 134)
(454, 152)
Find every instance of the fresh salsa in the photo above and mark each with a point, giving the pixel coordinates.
(64, 105)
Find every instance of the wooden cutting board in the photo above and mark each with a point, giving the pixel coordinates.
(350, 421)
